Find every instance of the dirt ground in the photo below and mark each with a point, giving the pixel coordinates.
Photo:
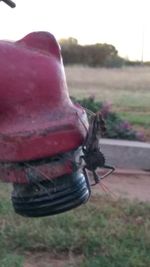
(45, 259)
(125, 184)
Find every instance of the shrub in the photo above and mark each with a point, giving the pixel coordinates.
(117, 128)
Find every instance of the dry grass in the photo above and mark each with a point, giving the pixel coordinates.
(127, 88)
(104, 232)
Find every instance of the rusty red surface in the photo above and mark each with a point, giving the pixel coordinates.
(37, 117)
(48, 171)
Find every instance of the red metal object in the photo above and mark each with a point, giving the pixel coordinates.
(37, 117)
(41, 130)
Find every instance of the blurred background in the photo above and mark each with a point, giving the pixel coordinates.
(105, 48)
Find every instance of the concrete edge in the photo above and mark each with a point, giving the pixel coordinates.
(126, 154)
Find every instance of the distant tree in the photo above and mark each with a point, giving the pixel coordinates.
(68, 41)
(98, 54)
(104, 55)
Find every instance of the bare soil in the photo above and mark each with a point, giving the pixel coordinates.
(46, 259)
(126, 184)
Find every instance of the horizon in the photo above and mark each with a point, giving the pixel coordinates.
(124, 25)
(84, 44)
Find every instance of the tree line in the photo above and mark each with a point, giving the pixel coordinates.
(97, 55)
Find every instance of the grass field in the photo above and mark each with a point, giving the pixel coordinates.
(128, 89)
(104, 233)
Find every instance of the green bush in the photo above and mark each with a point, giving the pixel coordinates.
(117, 128)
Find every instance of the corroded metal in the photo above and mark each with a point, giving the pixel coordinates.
(41, 130)
(37, 117)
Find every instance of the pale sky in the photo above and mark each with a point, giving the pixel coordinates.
(122, 23)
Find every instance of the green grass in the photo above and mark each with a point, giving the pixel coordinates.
(105, 232)
(128, 89)
(132, 101)
(11, 260)
(141, 119)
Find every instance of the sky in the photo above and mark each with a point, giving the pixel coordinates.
(122, 23)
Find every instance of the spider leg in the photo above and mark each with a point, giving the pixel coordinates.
(96, 178)
(112, 169)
